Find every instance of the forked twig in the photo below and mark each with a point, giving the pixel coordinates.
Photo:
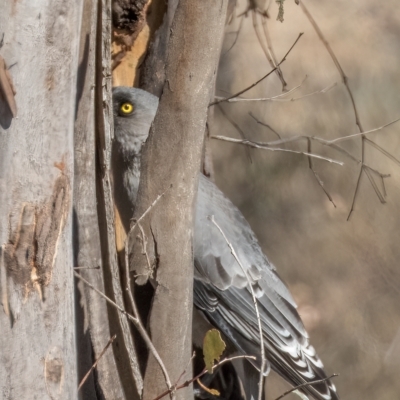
(266, 50)
(236, 37)
(261, 79)
(355, 110)
(237, 127)
(319, 181)
(267, 146)
(281, 97)
(262, 350)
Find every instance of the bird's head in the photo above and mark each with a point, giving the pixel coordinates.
(134, 111)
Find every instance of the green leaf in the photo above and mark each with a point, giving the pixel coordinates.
(213, 347)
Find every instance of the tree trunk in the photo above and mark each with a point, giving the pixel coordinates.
(37, 341)
(171, 162)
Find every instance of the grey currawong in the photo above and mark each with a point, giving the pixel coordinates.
(221, 290)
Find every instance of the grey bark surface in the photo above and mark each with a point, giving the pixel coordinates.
(124, 352)
(152, 73)
(93, 327)
(171, 161)
(37, 341)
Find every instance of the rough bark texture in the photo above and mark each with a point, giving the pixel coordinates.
(37, 341)
(152, 73)
(171, 162)
(93, 327)
(124, 349)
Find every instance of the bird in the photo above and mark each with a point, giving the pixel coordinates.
(222, 292)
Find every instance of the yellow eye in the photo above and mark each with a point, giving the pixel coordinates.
(126, 108)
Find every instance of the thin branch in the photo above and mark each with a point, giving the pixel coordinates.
(96, 362)
(237, 127)
(106, 298)
(236, 99)
(264, 124)
(260, 330)
(311, 166)
(335, 60)
(279, 98)
(236, 37)
(355, 193)
(386, 153)
(138, 323)
(305, 385)
(261, 79)
(375, 186)
(267, 146)
(349, 92)
(266, 50)
(343, 138)
(190, 381)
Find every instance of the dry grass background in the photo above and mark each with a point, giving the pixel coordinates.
(344, 275)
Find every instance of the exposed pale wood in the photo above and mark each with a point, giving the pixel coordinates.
(37, 341)
(171, 162)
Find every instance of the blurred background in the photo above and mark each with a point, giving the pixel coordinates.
(344, 274)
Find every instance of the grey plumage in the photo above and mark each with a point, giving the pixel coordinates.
(221, 289)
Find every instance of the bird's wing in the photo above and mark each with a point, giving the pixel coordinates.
(222, 291)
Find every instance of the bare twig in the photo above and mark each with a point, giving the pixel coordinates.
(266, 50)
(237, 127)
(311, 166)
(138, 323)
(264, 124)
(261, 79)
(267, 146)
(184, 371)
(268, 38)
(349, 92)
(260, 330)
(349, 137)
(279, 98)
(305, 385)
(383, 151)
(236, 37)
(374, 185)
(120, 309)
(190, 381)
(236, 99)
(96, 362)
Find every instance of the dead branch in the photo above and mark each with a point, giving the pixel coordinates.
(266, 50)
(319, 181)
(351, 96)
(279, 98)
(262, 350)
(236, 99)
(237, 127)
(236, 37)
(348, 137)
(96, 362)
(305, 385)
(266, 125)
(267, 146)
(261, 79)
(138, 323)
